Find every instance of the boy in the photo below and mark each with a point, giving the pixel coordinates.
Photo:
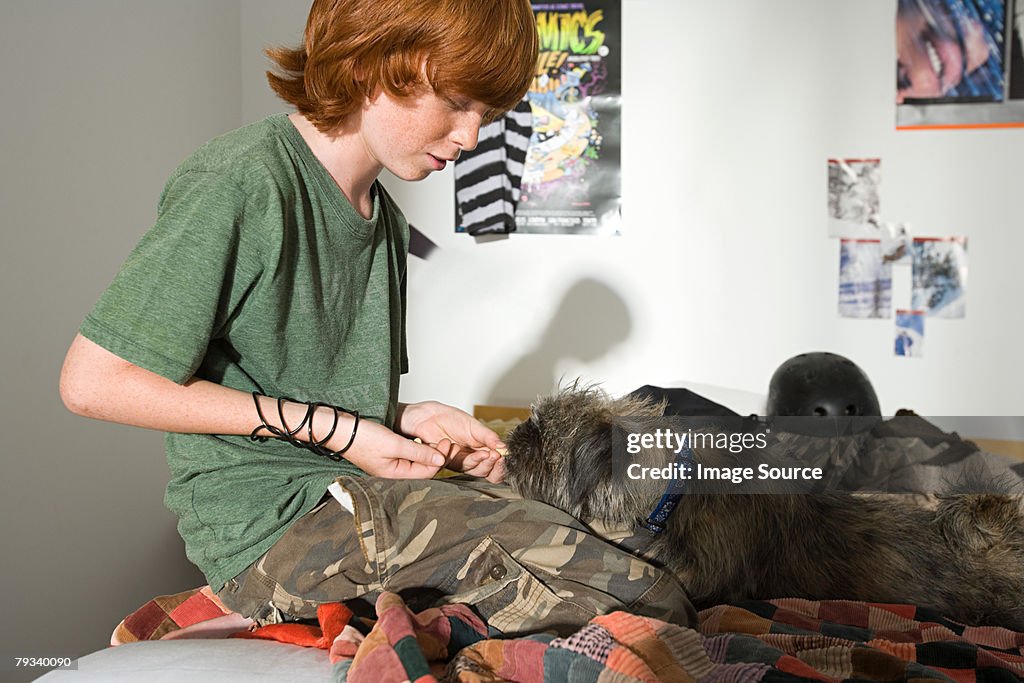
(268, 301)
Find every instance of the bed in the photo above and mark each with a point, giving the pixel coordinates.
(192, 636)
(762, 641)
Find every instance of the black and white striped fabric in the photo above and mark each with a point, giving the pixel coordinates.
(487, 179)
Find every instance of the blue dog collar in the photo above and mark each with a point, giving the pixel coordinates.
(676, 489)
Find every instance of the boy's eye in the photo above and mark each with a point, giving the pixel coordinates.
(458, 104)
(461, 104)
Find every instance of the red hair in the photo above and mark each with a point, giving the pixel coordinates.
(482, 49)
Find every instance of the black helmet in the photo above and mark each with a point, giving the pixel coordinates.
(822, 384)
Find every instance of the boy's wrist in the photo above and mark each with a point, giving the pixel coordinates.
(332, 428)
(323, 429)
(405, 417)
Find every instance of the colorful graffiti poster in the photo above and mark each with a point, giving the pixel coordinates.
(939, 276)
(865, 280)
(571, 179)
(853, 197)
(909, 338)
(959, 63)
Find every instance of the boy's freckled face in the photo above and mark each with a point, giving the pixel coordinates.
(416, 135)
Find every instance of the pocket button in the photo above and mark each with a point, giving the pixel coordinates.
(498, 572)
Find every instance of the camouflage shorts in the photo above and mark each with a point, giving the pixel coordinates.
(524, 566)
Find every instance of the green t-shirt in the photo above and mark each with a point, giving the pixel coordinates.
(259, 275)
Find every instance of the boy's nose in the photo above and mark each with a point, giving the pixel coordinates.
(467, 133)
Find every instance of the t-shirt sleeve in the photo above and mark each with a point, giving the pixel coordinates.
(183, 281)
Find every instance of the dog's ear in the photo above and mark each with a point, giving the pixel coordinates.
(633, 406)
(601, 489)
(591, 466)
(564, 454)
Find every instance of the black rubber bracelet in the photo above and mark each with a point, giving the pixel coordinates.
(255, 434)
(337, 455)
(334, 427)
(287, 434)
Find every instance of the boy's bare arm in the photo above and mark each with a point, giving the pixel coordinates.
(98, 384)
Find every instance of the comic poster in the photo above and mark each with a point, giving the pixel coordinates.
(959, 63)
(909, 338)
(939, 276)
(853, 197)
(571, 178)
(865, 280)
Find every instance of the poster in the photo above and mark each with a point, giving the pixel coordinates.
(897, 242)
(865, 280)
(853, 197)
(1016, 79)
(959, 63)
(909, 338)
(571, 179)
(939, 276)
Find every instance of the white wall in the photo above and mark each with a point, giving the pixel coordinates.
(730, 113)
(101, 101)
(731, 109)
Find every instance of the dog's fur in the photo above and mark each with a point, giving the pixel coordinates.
(963, 556)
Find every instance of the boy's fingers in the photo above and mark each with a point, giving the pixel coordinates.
(484, 464)
(497, 473)
(405, 469)
(474, 459)
(422, 454)
(447, 448)
(490, 439)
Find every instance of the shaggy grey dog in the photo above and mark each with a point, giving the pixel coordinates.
(963, 555)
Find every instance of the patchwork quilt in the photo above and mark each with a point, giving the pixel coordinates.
(771, 641)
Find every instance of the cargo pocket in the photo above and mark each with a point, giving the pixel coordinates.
(510, 597)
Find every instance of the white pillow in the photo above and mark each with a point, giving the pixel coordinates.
(201, 661)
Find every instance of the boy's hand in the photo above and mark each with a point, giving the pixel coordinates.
(380, 452)
(468, 445)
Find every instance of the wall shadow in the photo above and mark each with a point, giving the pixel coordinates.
(590, 321)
